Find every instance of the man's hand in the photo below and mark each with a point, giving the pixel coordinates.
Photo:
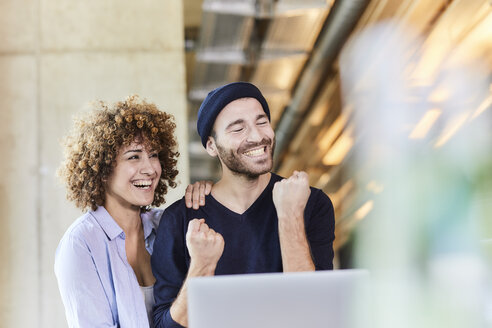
(204, 245)
(195, 193)
(290, 196)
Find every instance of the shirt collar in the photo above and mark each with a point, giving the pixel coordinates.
(148, 223)
(107, 223)
(113, 230)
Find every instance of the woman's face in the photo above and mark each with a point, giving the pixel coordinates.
(134, 178)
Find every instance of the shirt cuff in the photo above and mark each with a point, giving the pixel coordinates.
(169, 321)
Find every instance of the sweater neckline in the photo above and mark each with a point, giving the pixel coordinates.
(251, 208)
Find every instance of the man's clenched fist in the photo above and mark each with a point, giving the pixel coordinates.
(291, 195)
(204, 244)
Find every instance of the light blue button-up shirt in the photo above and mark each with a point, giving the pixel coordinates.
(97, 284)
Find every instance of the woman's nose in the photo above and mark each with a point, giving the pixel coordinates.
(146, 167)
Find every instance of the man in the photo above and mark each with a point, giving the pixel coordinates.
(253, 221)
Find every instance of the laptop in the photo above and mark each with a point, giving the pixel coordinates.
(336, 299)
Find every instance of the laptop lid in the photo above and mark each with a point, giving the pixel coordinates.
(307, 299)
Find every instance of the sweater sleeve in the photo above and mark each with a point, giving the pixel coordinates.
(169, 264)
(320, 229)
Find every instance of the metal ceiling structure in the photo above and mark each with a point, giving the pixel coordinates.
(265, 42)
(290, 50)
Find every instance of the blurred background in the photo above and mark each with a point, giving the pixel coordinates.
(385, 103)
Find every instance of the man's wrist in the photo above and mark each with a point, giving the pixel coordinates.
(198, 269)
(293, 222)
(290, 214)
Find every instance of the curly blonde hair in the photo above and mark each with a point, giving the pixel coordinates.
(93, 144)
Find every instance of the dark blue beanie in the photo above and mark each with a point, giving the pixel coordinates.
(218, 98)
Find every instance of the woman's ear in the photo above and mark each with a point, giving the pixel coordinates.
(211, 147)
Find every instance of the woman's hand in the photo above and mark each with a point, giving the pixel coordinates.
(195, 193)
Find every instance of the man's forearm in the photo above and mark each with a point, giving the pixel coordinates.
(294, 246)
(179, 308)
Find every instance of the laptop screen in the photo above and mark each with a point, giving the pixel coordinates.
(307, 299)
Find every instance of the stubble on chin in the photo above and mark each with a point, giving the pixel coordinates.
(232, 160)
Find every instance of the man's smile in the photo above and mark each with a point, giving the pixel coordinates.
(255, 152)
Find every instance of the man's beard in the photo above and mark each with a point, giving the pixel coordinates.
(232, 160)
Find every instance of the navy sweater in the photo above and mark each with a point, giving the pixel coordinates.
(251, 242)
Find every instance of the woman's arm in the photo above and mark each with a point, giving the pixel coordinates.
(86, 303)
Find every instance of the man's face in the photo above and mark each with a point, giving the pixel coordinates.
(244, 138)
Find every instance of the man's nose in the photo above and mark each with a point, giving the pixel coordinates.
(254, 134)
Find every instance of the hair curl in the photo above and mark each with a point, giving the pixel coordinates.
(93, 144)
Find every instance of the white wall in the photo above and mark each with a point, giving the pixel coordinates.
(55, 57)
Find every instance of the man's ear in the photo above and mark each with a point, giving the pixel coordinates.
(211, 147)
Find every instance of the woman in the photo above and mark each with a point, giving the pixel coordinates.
(119, 161)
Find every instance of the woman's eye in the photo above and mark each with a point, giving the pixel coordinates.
(133, 157)
(237, 130)
(262, 123)
(154, 155)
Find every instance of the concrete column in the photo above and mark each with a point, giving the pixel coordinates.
(55, 57)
